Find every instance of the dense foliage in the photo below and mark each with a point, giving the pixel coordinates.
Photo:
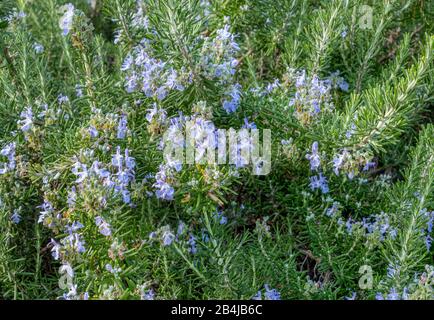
(90, 208)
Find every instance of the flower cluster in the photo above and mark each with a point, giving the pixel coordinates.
(218, 62)
(69, 246)
(164, 189)
(352, 162)
(165, 236)
(232, 99)
(140, 19)
(65, 22)
(16, 217)
(419, 288)
(269, 294)
(317, 181)
(200, 136)
(337, 81)
(104, 127)
(154, 77)
(49, 216)
(9, 152)
(312, 96)
(103, 226)
(219, 217)
(429, 217)
(218, 56)
(115, 179)
(376, 224)
(393, 295)
(314, 157)
(26, 122)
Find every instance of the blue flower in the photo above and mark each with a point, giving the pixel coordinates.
(319, 182)
(78, 91)
(258, 296)
(181, 228)
(311, 97)
(9, 152)
(122, 127)
(155, 78)
(218, 216)
(110, 269)
(47, 209)
(16, 218)
(353, 296)
(80, 170)
(126, 196)
(314, 157)
(66, 20)
(234, 95)
(148, 295)
(73, 243)
(167, 237)
(164, 189)
(343, 85)
(128, 63)
(39, 48)
(331, 212)
(271, 294)
(192, 243)
(62, 99)
(379, 296)
(218, 56)
(93, 132)
(428, 242)
(103, 226)
(76, 225)
(339, 161)
(117, 158)
(55, 249)
(349, 226)
(140, 20)
(337, 81)
(72, 197)
(248, 125)
(393, 295)
(271, 86)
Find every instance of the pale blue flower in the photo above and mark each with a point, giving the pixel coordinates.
(167, 238)
(122, 127)
(93, 132)
(314, 157)
(248, 125)
(230, 104)
(78, 91)
(271, 294)
(192, 242)
(319, 182)
(148, 295)
(66, 20)
(9, 152)
(39, 48)
(55, 249)
(16, 217)
(353, 296)
(103, 226)
(62, 99)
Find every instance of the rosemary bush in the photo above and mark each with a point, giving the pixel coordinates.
(92, 209)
